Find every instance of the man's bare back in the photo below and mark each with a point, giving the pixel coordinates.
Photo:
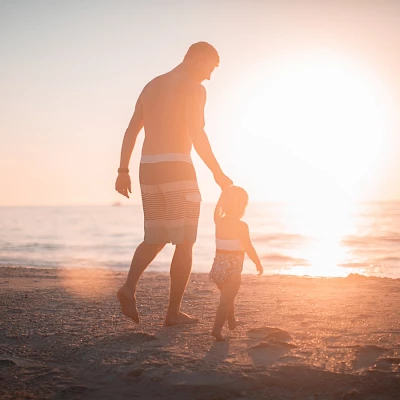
(171, 103)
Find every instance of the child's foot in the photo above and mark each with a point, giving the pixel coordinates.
(218, 336)
(232, 323)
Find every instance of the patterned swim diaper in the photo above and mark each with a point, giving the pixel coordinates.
(225, 265)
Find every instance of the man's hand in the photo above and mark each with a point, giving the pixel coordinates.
(222, 180)
(123, 184)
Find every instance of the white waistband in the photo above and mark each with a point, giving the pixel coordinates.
(228, 244)
(155, 158)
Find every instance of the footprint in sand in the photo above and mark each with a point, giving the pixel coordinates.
(367, 356)
(362, 356)
(272, 349)
(266, 332)
(265, 354)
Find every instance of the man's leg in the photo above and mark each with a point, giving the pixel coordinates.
(181, 267)
(144, 255)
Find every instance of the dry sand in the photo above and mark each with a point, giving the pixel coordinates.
(63, 337)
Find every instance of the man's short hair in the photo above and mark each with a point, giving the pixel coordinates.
(203, 50)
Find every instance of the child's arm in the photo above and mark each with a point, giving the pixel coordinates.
(249, 249)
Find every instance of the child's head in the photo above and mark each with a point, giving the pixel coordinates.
(232, 203)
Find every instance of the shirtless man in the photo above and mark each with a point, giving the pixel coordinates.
(171, 110)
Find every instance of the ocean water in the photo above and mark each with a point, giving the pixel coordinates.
(327, 239)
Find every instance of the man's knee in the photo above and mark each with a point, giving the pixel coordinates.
(182, 260)
(185, 248)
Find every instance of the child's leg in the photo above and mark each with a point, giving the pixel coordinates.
(229, 291)
(231, 317)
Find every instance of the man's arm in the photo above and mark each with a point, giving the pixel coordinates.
(131, 134)
(196, 123)
(123, 182)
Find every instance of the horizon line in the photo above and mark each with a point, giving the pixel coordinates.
(120, 204)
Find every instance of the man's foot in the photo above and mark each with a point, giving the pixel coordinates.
(128, 304)
(218, 336)
(180, 319)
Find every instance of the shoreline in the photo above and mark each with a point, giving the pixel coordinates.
(321, 338)
(125, 270)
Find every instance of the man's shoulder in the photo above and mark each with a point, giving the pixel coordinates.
(150, 90)
(178, 83)
(154, 82)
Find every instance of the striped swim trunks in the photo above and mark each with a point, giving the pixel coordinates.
(171, 198)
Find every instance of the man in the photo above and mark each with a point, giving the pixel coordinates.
(171, 110)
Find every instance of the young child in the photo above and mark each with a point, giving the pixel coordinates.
(232, 242)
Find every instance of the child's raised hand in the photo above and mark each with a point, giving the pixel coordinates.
(259, 269)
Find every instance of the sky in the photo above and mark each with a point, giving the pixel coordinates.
(304, 105)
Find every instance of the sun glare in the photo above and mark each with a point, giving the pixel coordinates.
(324, 224)
(320, 124)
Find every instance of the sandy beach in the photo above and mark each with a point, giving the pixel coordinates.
(63, 337)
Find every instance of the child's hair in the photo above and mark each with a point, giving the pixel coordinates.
(232, 202)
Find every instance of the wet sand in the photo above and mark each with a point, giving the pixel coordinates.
(62, 336)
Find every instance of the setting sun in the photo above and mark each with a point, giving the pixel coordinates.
(321, 120)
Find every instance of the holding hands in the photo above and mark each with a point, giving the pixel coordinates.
(260, 269)
(222, 180)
